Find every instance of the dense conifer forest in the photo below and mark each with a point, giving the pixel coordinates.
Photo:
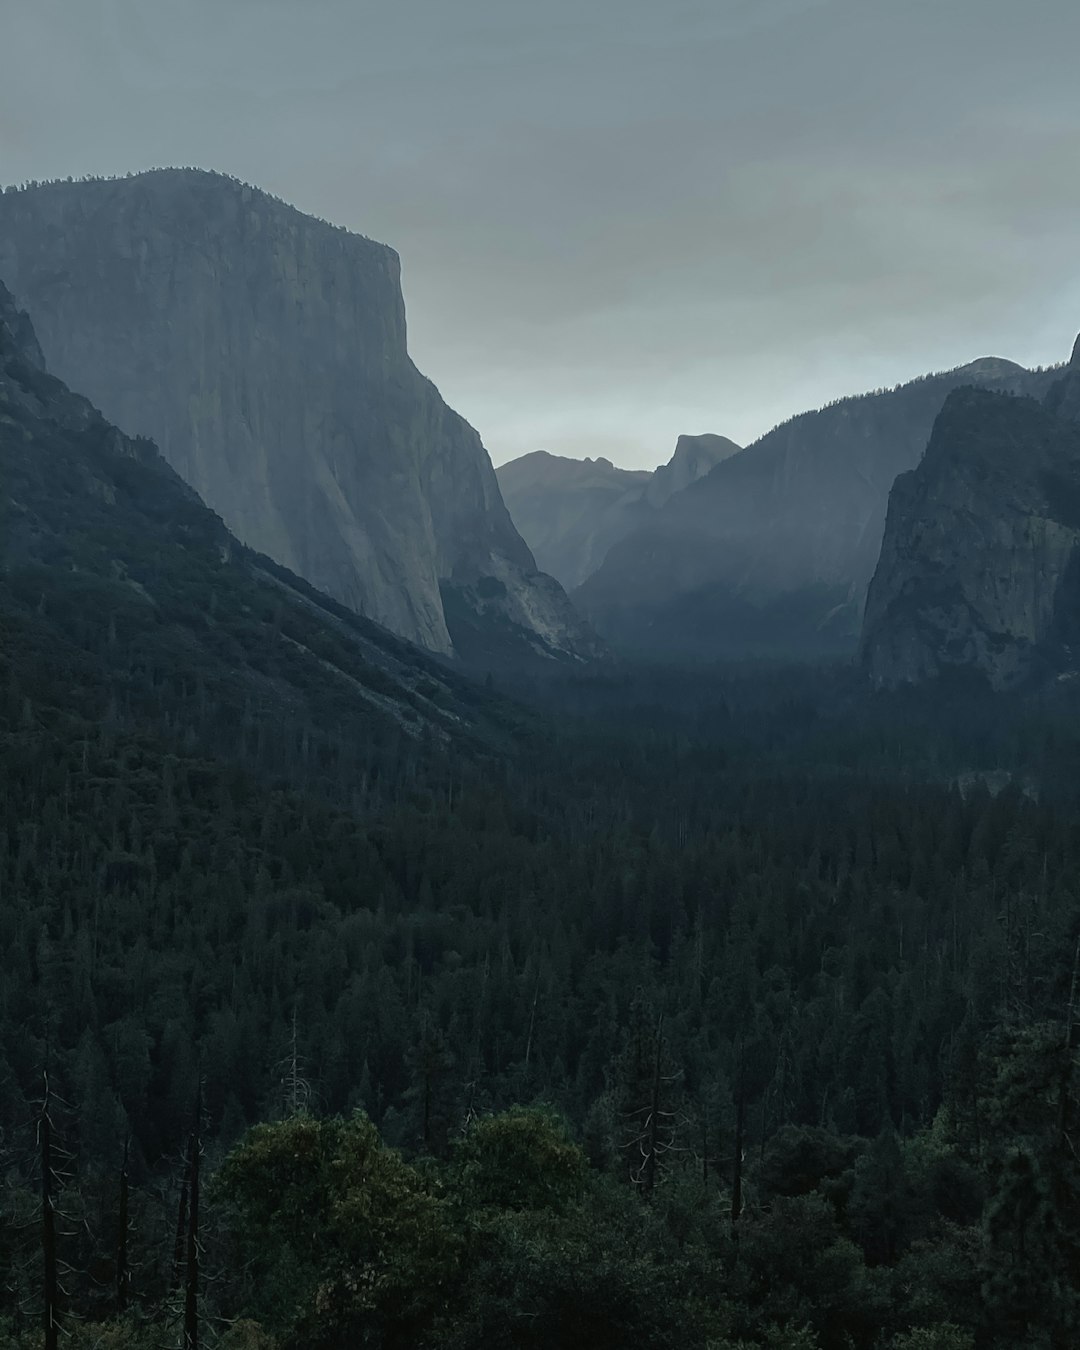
(747, 1022)
(347, 1001)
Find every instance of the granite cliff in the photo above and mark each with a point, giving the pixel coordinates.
(771, 552)
(124, 599)
(694, 457)
(572, 511)
(980, 562)
(265, 353)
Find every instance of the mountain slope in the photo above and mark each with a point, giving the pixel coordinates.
(772, 551)
(571, 511)
(265, 353)
(980, 563)
(124, 597)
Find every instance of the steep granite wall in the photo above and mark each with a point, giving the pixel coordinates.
(979, 566)
(118, 583)
(265, 353)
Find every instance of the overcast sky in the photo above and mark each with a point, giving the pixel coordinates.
(618, 220)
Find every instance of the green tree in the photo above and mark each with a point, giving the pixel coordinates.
(522, 1159)
(344, 1242)
(1032, 1282)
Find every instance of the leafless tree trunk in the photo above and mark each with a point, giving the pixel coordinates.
(123, 1273)
(737, 1162)
(191, 1281)
(50, 1309)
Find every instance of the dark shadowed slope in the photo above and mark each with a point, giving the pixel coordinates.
(265, 353)
(772, 551)
(571, 511)
(122, 595)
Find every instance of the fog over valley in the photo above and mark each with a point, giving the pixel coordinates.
(539, 676)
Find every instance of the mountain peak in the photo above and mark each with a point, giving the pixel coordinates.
(989, 368)
(572, 511)
(694, 457)
(704, 448)
(1074, 360)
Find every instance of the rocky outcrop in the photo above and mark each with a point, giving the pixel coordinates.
(572, 511)
(772, 551)
(124, 588)
(694, 457)
(980, 562)
(1064, 397)
(265, 353)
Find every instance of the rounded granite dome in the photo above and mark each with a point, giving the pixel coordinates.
(991, 368)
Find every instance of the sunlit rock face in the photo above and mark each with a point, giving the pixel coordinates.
(265, 353)
(979, 567)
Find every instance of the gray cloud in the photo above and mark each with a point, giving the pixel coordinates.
(618, 220)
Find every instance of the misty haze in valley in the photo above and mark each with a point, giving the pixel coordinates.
(539, 676)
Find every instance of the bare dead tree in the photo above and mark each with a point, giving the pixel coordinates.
(740, 1132)
(655, 1126)
(181, 1231)
(191, 1280)
(35, 1220)
(123, 1270)
(296, 1088)
(532, 1017)
(50, 1280)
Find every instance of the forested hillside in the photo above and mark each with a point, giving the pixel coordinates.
(831, 978)
(712, 1011)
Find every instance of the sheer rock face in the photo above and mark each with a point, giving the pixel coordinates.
(99, 535)
(1063, 400)
(572, 511)
(979, 567)
(694, 457)
(772, 551)
(264, 351)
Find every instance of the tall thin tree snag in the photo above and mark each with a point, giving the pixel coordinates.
(191, 1276)
(297, 1089)
(123, 1271)
(532, 1018)
(652, 1128)
(181, 1235)
(740, 1132)
(656, 1128)
(50, 1288)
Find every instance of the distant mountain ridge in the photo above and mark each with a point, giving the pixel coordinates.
(771, 552)
(265, 353)
(980, 562)
(572, 511)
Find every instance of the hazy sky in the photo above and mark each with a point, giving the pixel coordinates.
(618, 220)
